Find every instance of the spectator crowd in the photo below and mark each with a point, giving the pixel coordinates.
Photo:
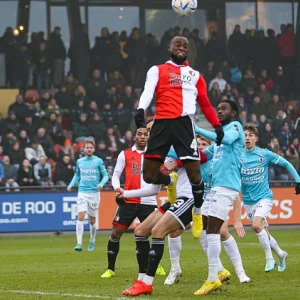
(43, 135)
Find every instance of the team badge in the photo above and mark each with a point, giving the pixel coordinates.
(236, 127)
(117, 218)
(192, 73)
(261, 159)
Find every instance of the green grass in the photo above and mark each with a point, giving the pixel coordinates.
(50, 265)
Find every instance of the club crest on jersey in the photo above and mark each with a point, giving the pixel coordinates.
(192, 73)
(210, 175)
(236, 127)
(93, 164)
(261, 159)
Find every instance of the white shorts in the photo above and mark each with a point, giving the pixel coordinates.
(221, 201)
(260, 209)
(205, 206)
(88, 202)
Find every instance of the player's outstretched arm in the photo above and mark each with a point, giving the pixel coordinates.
(149, 190)
(238, 226)
(103, 174)
(282, 162)
(229, 136)
(75, 178)
(115, 180)
(147, 96)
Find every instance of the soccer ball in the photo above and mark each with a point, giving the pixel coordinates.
(184, 7)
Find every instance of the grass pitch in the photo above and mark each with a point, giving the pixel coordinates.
(47, 267)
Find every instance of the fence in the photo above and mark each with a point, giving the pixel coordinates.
(57, 211)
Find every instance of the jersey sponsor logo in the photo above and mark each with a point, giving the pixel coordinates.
(179, 79)
(252, 171)
(88, 171)
(136, 168)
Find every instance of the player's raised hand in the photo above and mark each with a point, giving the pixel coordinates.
(297, 188)
(220, 134)
(139, 118)
(239, 229)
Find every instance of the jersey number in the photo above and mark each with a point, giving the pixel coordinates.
(194, 145)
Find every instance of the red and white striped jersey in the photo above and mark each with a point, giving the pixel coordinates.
(136, 190)
(177, 89)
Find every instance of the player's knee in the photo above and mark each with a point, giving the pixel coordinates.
(257, 227)
(116, 233)
(81, 216)
(156, 232)
(225, 235)
(175, 234)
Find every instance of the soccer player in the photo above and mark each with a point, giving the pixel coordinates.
(89, 169)
(178, 215)
(137, 199)
(226, 185)
(257, 195)
(177, 87)
(229, 242)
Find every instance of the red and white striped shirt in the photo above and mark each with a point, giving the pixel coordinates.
(136, 190)
(177, 88)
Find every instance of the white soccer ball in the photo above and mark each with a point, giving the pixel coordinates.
(184, 7)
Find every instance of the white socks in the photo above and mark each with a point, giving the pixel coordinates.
(203, 241)
(175, 247)
(79, 231)
(213, 254)
(197, 210)
(141, 276)
(93, 231)
(265, 242)
(148, 279)
(233, 253)
(275, 247)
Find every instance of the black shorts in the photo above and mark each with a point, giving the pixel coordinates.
(164, 207)
(178, 133)
(126, 214)
(182, 211)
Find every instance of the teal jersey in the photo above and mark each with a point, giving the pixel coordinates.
(254, 168)
(88, 173)
(226, 156)
(206, 174)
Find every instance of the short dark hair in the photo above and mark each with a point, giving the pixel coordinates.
(232, 104)
(251, 127)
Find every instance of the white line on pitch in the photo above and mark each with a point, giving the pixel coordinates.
(60, 294)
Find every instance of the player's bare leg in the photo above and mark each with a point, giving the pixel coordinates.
(93, 232)
(233, 253)
(259, 228)
(192, 168)
(79, 230)
(113, 247)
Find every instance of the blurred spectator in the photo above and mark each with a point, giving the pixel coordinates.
(29, 126)
(200, 48)
(71, 83)
(209, 72)
(97, 126)
(64, 171)
(43, 67)
(19, 108)
(112, 97)
(264, 95)
(281, 83)
(46, 142)
(34, 152)
(265, 136)
(107, 114)
(280, 119)
(243, 118)
(253, 119)
(66, 149)
(215, 49)
(236, 46)
(42, 172)
(256, 106)
(55, 129)
(215, 95)
(96, 86)
(10, 175)
(78, 110)
(80, 153)
(57, 53)
(127, 141)
(241, 104)
(122, 117)
(292, 111)
(225, 69)
(274, 106)
(117, 80)
(52, 107)
(16, 154)
(93, 109)
(8, 140)
(264, 78)
(128, 97)
(64, 100)
(25, 176)
(228, 92)
(24, 139)
(11, 123)
(235, 74)
(272, 52)
(248, 81)
(284, 137)
(80, 94)
(37, 112)
(292, 156)
(81, 128)
(219, 79)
